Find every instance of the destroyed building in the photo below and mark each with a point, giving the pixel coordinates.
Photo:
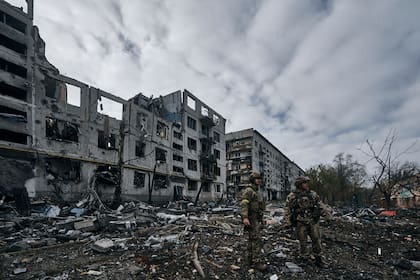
(247, 151)
(406, 193)
(73, 136)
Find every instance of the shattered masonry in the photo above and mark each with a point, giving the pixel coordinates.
(70, 135)
(60, 128)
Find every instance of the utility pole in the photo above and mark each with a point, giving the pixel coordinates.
(151, 182)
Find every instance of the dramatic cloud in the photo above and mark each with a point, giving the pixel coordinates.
(316, 77)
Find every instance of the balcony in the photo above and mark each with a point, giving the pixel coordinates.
(239, 147)
(207, 121)
(208, 177)
(208, 157)
(207, 139)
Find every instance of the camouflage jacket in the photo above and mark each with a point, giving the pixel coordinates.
(305, 207)
(252, 203)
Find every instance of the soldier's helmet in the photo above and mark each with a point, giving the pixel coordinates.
(301, 179)
(253, 176)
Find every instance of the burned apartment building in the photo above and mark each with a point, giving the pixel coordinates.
(66, 138)
(247, 151)
(178, 139)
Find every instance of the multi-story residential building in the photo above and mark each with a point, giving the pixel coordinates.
(78, 138)
(247, 151)
(181, 140)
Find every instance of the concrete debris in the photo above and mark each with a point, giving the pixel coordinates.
(77, 211)
(92, 272)
(184, 241)
(294, 268)
(103, 245)
(19, 270)
(170, 218)
(85, 225)
(52, 211)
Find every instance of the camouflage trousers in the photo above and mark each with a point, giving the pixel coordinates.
(302, 232)
(254, 241)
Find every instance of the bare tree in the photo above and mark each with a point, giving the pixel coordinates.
(386, 157)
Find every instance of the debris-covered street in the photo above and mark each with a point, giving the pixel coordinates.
(190, 140)
(139, 241)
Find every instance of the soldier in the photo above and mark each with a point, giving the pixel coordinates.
(252, 207)
(303, 210)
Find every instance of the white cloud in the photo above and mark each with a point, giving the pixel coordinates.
(316, 77)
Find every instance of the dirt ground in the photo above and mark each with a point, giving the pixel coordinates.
(372, 248)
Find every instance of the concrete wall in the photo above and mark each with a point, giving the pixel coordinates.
(62, 122)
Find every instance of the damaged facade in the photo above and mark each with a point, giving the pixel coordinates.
(247, 151)
(406, 193)
(73, 139)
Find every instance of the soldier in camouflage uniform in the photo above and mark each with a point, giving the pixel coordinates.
(303, 210)
(252, 208)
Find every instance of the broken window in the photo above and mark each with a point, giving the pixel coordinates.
(178, 192)
(12, 114)
(191, 123)
(160, 155)
(217, 171)
(160, 181)
(106, 141)
(205, 186)
(73, 94)
(140, 149)
(178, 169)
(63, 92)
(162, 130)
(191, 102)
(204, 111)
(177, 146)
(177, 158)
(12, 22)
(216, 137)
(192, 185)
(192, 164)
(50, 87)
(61, 130)
(13, 68)
(110, 107)
(217, 187)
(192, 144)
(12, 91)
(205, 130)
(139, 179)
(178, 135)
(216, 119)
(141, 122)
(15, 137)
(217, 153)
(205, 147)
(12, 45)
(108, 175)
(63, 169)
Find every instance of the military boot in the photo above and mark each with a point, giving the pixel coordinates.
(319, 262)
(261, 266)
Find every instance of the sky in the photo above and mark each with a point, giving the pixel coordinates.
(315, 77)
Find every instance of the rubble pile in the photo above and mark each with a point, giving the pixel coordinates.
(184, 241)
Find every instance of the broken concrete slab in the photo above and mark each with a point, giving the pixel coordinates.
(294, 268)
(85, 225)
(19, 270)
(103, 245)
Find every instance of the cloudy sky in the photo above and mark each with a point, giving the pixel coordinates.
(315, 77)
